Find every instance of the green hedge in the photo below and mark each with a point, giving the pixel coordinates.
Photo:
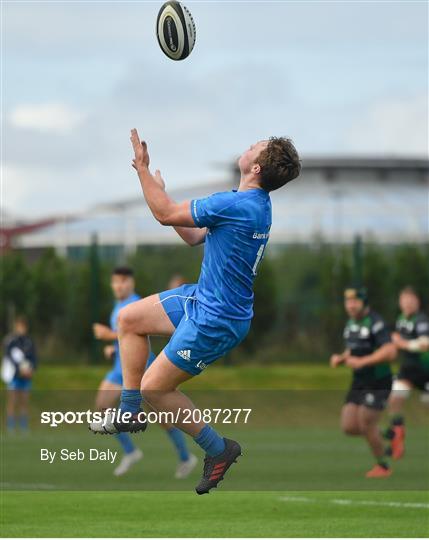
(298, 294)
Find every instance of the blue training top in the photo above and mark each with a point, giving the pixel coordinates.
(238, 225)
(119, 304)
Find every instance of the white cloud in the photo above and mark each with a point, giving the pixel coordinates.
(13, 187)
(392, 126)
(39, 191)
(46, 117)
(320, 82)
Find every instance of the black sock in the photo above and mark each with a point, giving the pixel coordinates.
(397, 420)
(383, 462)
(388, 433)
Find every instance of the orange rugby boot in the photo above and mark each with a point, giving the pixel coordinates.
(398, 442)
(378, 471)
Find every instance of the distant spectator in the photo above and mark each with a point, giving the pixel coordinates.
(19, 364)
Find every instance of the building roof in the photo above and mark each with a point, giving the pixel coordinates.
(335, 198)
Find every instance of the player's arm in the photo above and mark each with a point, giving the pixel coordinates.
(385, 349)
(103, 332)
(109, 351)
(163, 208)
(418, 345)
(337, 359)
(191, 236)
(385, 353)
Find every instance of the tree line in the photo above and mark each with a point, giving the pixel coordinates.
(299, 313)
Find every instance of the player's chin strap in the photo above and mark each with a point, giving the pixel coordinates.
(178, 296)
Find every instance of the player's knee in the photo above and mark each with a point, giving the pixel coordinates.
(351, 431)
(147, 389)
(150, 396)
(154, 389)
(350, 428)
(126, 320)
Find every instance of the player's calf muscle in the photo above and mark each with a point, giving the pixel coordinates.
(107, 395)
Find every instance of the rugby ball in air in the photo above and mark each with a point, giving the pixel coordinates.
(175, 30)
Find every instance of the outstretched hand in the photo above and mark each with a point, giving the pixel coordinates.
(336, 360)
(141, 158)
(158, 179)
(141, 155)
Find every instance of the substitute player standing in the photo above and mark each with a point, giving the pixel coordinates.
(123, 287)
(369, 351)
(411, 338)
(207, 319)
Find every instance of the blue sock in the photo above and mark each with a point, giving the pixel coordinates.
(130, 401)
(212, 443)
(178, 439)
(126, 442)
(23, 422)
(10, 422)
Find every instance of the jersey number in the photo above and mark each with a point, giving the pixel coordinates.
(259, 256)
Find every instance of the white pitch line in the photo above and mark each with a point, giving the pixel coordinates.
(345, 502)
(296, 499)
(13, 485)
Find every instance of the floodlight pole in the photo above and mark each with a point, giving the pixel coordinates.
(357, 261)
(94, 294)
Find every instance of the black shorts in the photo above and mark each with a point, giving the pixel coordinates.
(372, 394)
(416, 375)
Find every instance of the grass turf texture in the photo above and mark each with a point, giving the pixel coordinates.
(275, 459)
(182, 514)
(353, 507)
(291, 376)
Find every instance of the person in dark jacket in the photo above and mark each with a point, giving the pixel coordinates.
(19, 362)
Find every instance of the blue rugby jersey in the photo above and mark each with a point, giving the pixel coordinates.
(238, 225)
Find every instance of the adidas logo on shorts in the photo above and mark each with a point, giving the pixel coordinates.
(186, 355)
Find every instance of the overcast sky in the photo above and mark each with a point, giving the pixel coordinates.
(338, 77)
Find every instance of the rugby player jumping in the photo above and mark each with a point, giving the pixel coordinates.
(207, 319)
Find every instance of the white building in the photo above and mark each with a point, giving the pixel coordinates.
(385, 199)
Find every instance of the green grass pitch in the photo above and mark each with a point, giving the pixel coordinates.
(236, 514)
(299, 476)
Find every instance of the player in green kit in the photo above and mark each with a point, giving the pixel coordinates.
(411, 338)
(369, 351)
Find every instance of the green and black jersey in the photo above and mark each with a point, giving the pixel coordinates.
(364, 336)
(410, 328)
